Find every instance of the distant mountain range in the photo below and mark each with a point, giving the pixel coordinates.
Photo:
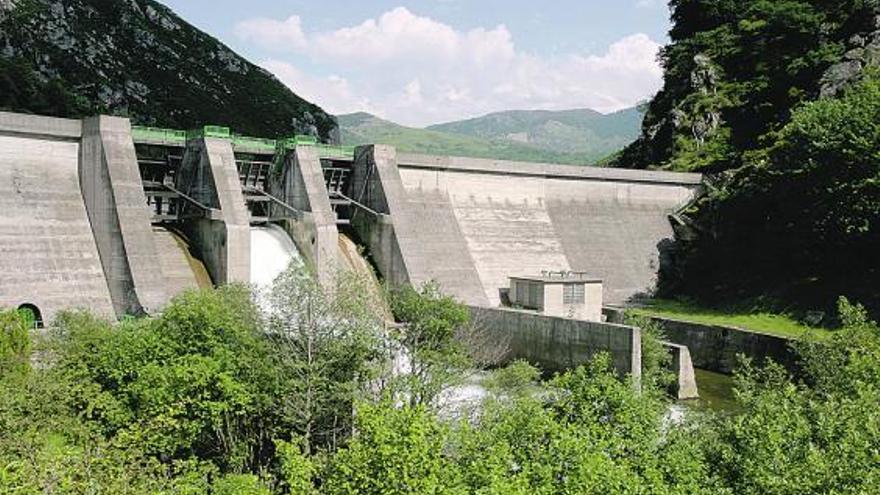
(577, 137)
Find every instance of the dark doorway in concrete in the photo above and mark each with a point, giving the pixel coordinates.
(33, 314)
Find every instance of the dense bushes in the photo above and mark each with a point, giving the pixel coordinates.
(204, 399)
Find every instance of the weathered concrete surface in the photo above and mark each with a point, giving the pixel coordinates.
(35, 126)
(48, 255)
(209, 174)
(612, 238)
(685, 386)
(119, 216)
(501, 219)
(418, 238)
(558, 344)
(716, 348)
(301, 185)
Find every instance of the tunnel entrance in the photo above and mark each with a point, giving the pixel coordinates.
(32, 315)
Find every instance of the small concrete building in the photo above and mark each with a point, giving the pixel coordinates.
(565, 294)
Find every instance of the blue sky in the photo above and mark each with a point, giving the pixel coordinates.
(429, 61)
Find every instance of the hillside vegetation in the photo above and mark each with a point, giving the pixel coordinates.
(136, 58)
(576, 137)
(779, 103)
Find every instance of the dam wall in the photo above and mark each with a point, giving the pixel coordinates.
(470, 224)
(416, 238)
(76, 226)
(48, 253)
(180, 270)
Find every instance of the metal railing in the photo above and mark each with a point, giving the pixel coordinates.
(178, 137)
(211, 131)
(252, 143)
(158, 135)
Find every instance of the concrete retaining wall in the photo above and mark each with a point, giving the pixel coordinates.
(715, 348)
(558, 344)
(48, 254)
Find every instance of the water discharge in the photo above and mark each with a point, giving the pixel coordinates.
(272, 251)
(181, 269)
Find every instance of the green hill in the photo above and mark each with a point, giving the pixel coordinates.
(573, 131)
(576, 137)
(136, 58)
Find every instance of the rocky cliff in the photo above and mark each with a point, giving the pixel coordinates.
(735, 71)
(136, 58)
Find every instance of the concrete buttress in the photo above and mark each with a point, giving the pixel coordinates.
(114, 198)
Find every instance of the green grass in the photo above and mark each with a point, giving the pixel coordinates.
(762, 322)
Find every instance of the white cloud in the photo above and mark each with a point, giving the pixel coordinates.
(650, 4)
(333, 92)
(417, 71)
(273, 35)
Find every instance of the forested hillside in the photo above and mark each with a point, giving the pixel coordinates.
(138, 59)
(779, 103)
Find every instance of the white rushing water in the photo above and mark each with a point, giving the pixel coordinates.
(272, 251)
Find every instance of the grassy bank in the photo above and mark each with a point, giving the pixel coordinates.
(764, 322)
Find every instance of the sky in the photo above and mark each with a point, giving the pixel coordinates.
(422, 62)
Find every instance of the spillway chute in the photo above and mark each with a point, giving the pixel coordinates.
(272, 252)
(182, 270)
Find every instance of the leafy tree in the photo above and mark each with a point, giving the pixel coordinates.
(197, 382)
(397, 450)
(430, 322)
(800, 222)
(15, 344)
(818, 435)
(298, 471)
(328, 346)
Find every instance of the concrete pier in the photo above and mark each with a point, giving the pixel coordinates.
(114, 199)
(301, 185)
(222, 241)
(417, 237)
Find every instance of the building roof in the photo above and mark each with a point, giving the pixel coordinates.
(560, 277)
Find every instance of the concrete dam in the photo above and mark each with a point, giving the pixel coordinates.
(98, 214)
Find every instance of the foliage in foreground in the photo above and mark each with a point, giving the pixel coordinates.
(204, 400)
